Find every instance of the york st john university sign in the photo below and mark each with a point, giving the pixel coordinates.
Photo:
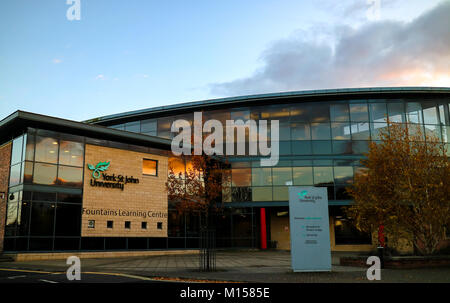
(309, 226)
(108, 181)
(258, 136)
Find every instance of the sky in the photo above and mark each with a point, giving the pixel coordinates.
(134, 54)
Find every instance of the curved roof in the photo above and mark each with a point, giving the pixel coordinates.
(281, 95)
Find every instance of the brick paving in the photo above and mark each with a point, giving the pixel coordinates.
(244, 266)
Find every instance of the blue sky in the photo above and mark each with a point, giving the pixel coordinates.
(134, 54)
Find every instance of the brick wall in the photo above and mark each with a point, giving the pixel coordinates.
(5, 158)
(148, 195)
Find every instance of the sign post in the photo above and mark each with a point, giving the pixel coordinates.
(310, 231)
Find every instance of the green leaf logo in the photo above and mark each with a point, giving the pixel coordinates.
(100, 167)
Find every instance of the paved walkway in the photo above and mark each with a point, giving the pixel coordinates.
(245, 266)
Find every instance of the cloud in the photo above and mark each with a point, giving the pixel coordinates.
(56, 61)
(384, 53)
(100, 77)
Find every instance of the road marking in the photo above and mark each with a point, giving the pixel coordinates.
(48, 281)
(31, 271)
(16, 277)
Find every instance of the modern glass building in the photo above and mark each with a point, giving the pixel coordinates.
(323, 135)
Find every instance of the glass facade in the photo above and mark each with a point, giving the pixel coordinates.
(321, 143)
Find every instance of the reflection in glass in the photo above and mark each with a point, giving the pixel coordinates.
(44, 174)
(134, 126)
(321, 147)
(340, 131)
(149, 127)
(177, 165)
(339, 112)
(282, 175)
(71, 153)
(358, 112)
(16, 153)
(323, 175)
(241, 176)
(150, 167)
(280, 193)
(261, 176)
(320, 131)
(23, 220)
(300, 131)
(28, 172)
(301, 148)
(29, 149)
(377, 129)
(301, 112)
(70, 176)
(414, 112)
(303, 175)
(430, 114)
(14, 176)
(377, 112)
(13, 204)
(342, 147)
(46, 149)
(360, 131)
(396, 112)
(343, 174)
(262, 193)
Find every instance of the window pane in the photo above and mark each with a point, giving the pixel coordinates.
(378, 112)
(68, 218)
(11, 214)
(320, 112)
(261, 176)
(150, 167)
(46, 149)
(301, 148)
(177, 165)
(321, 147)
(300, 131)
(358, 112)
(339, 112)
(396, 112)
(376, 129)
(241, 176)
(44, 174)
(320, 131)
(14, 177)
(280, 193)
(282, 176)
(340, 131)
(433, 131)
(29, 150)
(342, 147)
(28, 172)
(71, 153)
(42, 219)
(360, 131)
(149, 127)
(70, 176)
(134, 126)
(262, 193)
(360, 147)
(303, 175)
(301, 112)
(241, 194)
(414, 112)
(69, 198)
(323, 175)
(23, 220)
(343, 174)
(16, 154)
(430, 114)
(346, 233)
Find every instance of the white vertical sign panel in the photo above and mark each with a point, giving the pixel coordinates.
(310, 231)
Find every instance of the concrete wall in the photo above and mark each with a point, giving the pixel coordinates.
(5, 158)
(149, 195)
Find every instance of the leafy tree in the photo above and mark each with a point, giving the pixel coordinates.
(201, 190)
(404, 187)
